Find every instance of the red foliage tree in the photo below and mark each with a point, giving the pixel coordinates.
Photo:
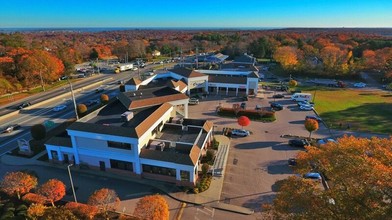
(105, 199)
(82, 210)
(18, 183)
(53, 190)
(243, 121)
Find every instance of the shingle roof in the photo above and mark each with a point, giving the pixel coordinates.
(151, 119)
(134, 81)
(186, 72)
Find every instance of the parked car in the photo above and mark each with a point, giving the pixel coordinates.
(306, 108)
(59, 108)
(306, 103)
(292, 161)
(360, 85)
(193, 101)
(312, 176)
(92, 102)
(99, 90)
(278, 96)
(243, 105)
(258, 107)
(24, 105)
(324, 141)
(298, 143)
(276, 106)
(314, 117)
(240, 132)
(10, 128)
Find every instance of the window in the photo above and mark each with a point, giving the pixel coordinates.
(121, 165)
(119, 145)
(184, 175)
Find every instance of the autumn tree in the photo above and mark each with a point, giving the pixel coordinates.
(105, 199)
(104, 98)
(359, 174)
(243, 121)
(35, 211)
(293, 83)
(58, 213)
(53, 190)
(81, 210)
(311, 125)
(335, 59)
(34, 198)
(287, 56)
(81, 109)
(152, 207)
(18, 183)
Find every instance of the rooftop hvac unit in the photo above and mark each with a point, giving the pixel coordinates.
(127, 116)
(184, 128)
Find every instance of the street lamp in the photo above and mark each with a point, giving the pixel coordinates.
(73, 99)
(70, 178)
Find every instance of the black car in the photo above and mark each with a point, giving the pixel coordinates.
(276, 106)
(292, 161)
(243, 105)
(24, 105)
(278, 96)
(299, 143)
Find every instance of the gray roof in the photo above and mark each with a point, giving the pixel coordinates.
(245, 58)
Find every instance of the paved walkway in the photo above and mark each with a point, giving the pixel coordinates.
(210, 197)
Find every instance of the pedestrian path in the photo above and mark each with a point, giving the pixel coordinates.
(210, 197)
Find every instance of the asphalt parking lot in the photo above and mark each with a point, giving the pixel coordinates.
(256, 162)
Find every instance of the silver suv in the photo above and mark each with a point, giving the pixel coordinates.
(240, 132)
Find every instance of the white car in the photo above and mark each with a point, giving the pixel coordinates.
(306, 108)
(240, 132)
(193, 101)
(360, 85)
(59, 108)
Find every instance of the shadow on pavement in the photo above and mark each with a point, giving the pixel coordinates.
(279, 167)
(284, 147)
(298, 122)
(255, 145)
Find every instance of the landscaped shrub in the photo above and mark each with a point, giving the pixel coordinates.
(210, 155)
(104, 98)
(204, 168)
(204, 183)
(215, 144)
(81, 109)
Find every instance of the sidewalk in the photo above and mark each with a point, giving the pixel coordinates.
(210, 197)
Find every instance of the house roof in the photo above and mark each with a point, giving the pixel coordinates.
(186, 158)
(188, 73)
(245, 58)
(174, 83)
(150, 97)
(109, 121)
(134, 81)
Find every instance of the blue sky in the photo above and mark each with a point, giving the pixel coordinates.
(196, 13)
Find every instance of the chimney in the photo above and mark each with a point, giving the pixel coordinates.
(127, 116)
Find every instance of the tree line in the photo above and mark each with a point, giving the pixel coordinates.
(27, 59)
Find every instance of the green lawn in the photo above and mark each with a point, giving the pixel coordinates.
(363, 110)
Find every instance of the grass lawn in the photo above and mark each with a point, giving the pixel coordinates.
(363, 110)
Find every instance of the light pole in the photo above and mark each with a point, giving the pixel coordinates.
(73, 99)
(70, 178)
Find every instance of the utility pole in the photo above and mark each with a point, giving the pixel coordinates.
(73, 99)
(42, 81)
(72, 185)
(197, 60)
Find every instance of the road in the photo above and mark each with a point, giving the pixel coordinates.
(37, 113)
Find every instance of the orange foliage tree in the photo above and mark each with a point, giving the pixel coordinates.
(311, 125)
(36, 210)
(152, 207)
(287, 56)
(18, 183)
(105, 199)
(81, 210)
(359, 175)
(335, 59)
(34, 198)
(53, 190)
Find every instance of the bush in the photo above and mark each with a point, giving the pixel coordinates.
(215, 144)
(122, 88)
(210, 155)
(204, 168)
(104, 99)
(38, 132)
(81, 109)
